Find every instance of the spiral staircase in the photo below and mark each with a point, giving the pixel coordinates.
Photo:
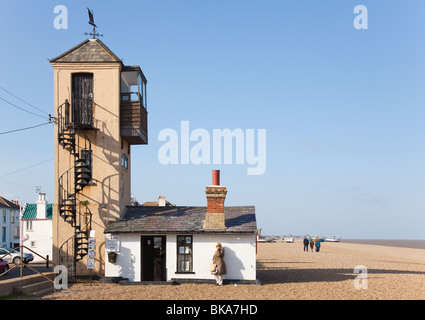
(72, 137)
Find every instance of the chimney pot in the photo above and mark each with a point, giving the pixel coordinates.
(41, 197)
(161, 201)
(41, 206)
(216, 177)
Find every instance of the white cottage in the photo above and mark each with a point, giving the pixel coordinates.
(153, 243)
(37, 227)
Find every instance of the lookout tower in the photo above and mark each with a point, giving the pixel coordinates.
(100, 112)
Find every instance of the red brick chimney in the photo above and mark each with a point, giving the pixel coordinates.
(215, 218)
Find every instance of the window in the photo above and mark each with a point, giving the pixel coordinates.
(3, 237)
(12, 216)
(4, 216)
(184, 254)
(145, 97)
(124, 161)
(142, 92)
(86, 155)
(133, 86)
(32, 243)
(28, 225)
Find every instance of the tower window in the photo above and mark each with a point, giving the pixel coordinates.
(124, 161)
(133, 86)
(86, 155)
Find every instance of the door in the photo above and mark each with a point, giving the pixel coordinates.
(82, 99)
(153, 258)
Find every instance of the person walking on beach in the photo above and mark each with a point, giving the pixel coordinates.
(221, 265)
(317, 246)
(311, 245)
(305, 244)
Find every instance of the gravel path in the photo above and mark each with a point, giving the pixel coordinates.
(287, 272)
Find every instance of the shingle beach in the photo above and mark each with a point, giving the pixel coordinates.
(286, 272)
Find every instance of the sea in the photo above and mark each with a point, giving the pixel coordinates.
(416, 244)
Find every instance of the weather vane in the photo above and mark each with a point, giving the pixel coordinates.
(91, 21)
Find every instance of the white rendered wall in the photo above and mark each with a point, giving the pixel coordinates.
(128, 264)
(41, 236)
(240, 256)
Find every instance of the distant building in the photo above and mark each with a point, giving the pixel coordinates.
(9, 223)
(160, 203)
(37, 227)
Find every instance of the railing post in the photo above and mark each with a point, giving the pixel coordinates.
(22, 250)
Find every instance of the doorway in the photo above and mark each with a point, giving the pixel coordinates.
(82, 99)
(153, 258)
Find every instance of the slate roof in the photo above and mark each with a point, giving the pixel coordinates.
(4, 203)
(145, 219)
(30, 211)
(90, 50)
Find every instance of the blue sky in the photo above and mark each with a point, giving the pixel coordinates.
(343, 108)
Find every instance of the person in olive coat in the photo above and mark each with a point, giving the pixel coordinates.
(221, 265)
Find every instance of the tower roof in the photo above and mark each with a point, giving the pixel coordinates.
(88, 51)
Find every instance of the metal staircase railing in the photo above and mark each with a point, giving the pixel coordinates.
(71, 183)
(76, 247)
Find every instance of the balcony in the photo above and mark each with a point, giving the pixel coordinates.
(133, 110)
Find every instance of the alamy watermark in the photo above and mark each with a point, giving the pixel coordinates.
(61, 280)
(361, 20)
(61, 20)
(360, 282)
(221, 147)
